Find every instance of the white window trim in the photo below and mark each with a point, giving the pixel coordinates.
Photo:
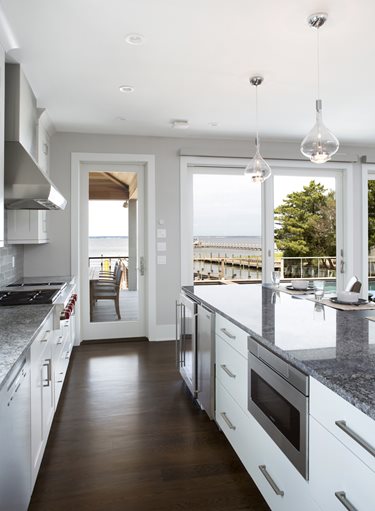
(367, 174)
(342, 171)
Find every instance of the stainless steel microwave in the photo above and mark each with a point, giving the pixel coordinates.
(278, 400)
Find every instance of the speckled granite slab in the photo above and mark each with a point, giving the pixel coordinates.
(18, 327)
(335, 347)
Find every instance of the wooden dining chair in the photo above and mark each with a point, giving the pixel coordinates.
(107, 290)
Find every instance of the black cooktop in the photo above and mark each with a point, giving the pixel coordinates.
(40, 296)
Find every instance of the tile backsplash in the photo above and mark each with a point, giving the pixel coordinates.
(8, 274)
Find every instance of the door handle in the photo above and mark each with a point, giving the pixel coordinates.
(142, 266)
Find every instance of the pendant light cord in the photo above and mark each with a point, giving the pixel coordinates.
(318, 61)
(256, 117)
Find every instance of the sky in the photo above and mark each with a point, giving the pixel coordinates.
(224, 205)
(230, 205)
(107, 218)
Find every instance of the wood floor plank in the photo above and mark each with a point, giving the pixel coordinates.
(128, 437)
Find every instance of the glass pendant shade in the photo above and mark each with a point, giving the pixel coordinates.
(257, 168)
(320, 144)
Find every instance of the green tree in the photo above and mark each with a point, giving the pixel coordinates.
(306, 222)
(371, 214)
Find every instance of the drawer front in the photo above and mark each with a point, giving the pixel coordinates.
(337, 476)
(231, 370)
(42, 339)
(279, 482)
(231, 333)
(351, 426)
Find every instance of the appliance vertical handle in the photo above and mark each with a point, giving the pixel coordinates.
(271, 482)
(178, 338)
(183, 334)
(341, 496)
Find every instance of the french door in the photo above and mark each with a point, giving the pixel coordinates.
(112, 274)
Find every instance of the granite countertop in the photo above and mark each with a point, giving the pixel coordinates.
(335, 347)
(18, 327)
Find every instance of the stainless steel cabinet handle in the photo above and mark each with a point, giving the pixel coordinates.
(61, 337)
(45, 338)
(228, 422)
(47, 364)
(369, 448)
(341, 495)
(226, 370)
(271, 482)
(228, 334)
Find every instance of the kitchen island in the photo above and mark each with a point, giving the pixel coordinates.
(335, 347)
(295, 388)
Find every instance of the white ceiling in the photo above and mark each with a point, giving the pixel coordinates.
(196, 63)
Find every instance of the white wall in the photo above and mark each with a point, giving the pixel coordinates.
(54, 258)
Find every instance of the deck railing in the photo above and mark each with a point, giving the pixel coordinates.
(107, 263)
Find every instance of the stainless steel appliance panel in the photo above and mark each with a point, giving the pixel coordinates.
(206, 357)
(279, 407)
(186, 341)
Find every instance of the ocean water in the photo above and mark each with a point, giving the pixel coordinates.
(108, 246)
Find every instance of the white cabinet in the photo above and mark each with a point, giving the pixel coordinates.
(278, 480)
(338, 479)
(26, 226)
(15, 472)
(42, 394)
(342, 452)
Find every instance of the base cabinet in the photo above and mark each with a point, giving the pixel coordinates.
(15, 463)
(42, 395)
(278, 480)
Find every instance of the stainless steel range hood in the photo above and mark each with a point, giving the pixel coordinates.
(25, 184)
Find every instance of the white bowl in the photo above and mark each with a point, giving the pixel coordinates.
(300, 284)
(347, 296)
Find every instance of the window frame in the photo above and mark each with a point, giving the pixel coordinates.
(343, 172)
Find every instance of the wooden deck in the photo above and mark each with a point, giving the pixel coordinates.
(104, 310)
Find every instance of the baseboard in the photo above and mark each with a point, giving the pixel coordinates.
(164, 333)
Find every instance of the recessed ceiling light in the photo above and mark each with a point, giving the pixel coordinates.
(126, 88)
(180, 124)
(214, 124)
(135, 39)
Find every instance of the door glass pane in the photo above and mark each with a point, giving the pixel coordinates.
(227, 229)
(371, 235)
(113, 246)
(305, 228)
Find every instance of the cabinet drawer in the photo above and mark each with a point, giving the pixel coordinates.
(351, 426)
(231, 333)
(231, 370)
(279, 482)
(337, 472)
(42, 339)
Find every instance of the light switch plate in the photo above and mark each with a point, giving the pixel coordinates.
(161, 246)
(161, 233)
(162, 259)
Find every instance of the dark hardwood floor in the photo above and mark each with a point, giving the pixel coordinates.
(128, 437)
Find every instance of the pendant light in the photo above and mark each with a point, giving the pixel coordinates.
(257, 168)
(320, 144)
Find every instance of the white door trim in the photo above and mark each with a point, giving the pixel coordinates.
(148, 160)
